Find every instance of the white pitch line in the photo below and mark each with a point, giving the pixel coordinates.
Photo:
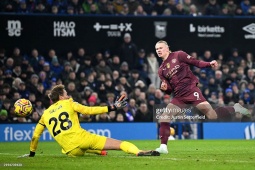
(150, 157)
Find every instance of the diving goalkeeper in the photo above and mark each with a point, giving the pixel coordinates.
(61, 120)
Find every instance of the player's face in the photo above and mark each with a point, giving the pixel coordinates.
(65, 96)
(162, 50)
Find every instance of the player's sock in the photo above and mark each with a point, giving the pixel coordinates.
(129, 147)
(225, 113)
(164, 132)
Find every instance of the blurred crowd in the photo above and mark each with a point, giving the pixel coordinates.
(97, 79)
(132, 7)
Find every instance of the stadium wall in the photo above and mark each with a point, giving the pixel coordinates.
(229, 130)
(64, 32)
(121, 131)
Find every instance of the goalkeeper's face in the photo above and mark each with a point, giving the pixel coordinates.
(65, 96)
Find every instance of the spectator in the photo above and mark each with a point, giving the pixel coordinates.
(54, 10)
(128, 51)
(103, 68)
(159, 7)
(40, 8)
(118, 5)
(167, 12)
(35, 117)
(251, 11)
(132, 5)
(179, 10)
(186, 6)
(250, 75)
(24, 93)
(139, 11)
(132, 105)
(212, 8)
(171, 4)
(235, 57)
(147, 6)
(193, 11)
(246, 97)
(3, 116)
(143, 114)
(32, 84)
(124, 70)
(125, 10)
(110, 9)
(245, 6)
(72, 91)
(158, 96)
(153, 66)
(102, 6)
(231, 6)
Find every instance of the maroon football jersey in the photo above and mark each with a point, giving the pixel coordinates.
(175, 70)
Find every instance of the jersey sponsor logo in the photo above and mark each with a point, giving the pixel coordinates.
(250, 29)
(14, 28)
(173, 71)
(168, 65)
(174, 60)
(113, 30)
(160, 29)
(64, 29)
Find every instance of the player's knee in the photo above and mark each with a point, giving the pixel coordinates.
(212, 115)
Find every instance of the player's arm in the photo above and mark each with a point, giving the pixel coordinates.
(35, 139)
(120, 102)
(36, 136)
(184, 57)
(165, 86)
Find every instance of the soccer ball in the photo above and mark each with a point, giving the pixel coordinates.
(23, 107)
(172, 131)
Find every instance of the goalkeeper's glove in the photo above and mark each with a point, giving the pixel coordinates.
(32, 154)
(119, 103)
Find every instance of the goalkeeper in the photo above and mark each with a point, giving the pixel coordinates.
(61, 120)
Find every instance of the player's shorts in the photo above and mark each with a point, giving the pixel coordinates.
(194, 97)
(89, 141)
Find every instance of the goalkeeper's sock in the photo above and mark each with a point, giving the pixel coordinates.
(129, 147)
(164, 132)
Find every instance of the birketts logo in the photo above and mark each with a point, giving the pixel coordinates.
(249, 131)
(250, 29)
(64, 29)
(14, 28)
(113, 30)
(206, 31)
(160, 29)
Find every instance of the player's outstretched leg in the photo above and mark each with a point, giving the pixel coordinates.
(113, 144)
(224, 113)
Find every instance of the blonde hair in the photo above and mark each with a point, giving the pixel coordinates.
(162, 41)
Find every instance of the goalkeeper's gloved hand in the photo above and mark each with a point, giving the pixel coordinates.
(32, 154)
(119, 103)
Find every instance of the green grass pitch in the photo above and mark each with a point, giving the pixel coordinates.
(183, 154)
